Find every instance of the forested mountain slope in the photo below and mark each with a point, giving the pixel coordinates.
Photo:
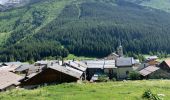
(81, 27)
(157, 4)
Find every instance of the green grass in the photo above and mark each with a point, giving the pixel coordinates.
(130, 90)
(157, 4)
(15, 20)
(52, 10)
(72, 56)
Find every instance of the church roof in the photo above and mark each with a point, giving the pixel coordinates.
(124, 61)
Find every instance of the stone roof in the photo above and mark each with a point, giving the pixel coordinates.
(77, 65)
(124, 62)
(148, 70)
(151, 57)
(13, 63)
(42, 62)
(8, 78)
(11, 66)
(67, 70)
(23, 67)
(35, 69)
(63, 69)
(167, 62)
(100, 64)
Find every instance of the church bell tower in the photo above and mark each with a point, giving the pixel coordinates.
(120, 50)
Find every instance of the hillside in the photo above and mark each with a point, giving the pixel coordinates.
(130, 90)
(81, 27)
(157, 4)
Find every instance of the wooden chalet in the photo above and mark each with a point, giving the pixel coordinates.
(153, 72)
(51, 74)
(165, 65)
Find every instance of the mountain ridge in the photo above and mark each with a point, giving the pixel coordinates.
(156, 4)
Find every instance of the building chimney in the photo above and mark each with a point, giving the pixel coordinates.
(62, 61)
(144, 65)
(69, 63)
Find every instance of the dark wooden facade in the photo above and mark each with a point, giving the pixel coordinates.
(164, 66)
(159, 74)
(91, 71)
(48, 76)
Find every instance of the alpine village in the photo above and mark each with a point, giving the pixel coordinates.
(113, 67)
(84, 50)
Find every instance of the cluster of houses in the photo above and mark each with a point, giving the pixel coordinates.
(25, 75)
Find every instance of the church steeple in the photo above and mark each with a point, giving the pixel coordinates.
(120, 50)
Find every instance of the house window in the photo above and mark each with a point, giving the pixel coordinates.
(110, 71)
(127, 72)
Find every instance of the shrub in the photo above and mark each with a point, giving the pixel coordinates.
(134, 75)
(150, 96)
(103, 78)
(113, 79)
(147, 94)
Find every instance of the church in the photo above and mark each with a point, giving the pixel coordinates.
(114, 66)
(117, 54)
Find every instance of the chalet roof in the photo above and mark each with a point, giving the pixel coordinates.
(148, 70)
(142, 66)
(8, 78)
(77, 65)
(167, 62)
(35, 69)
(67, 70)
(11, 66)
(8, 68)
(45, 62)
(63, 69)
(123, 62)
(23, 67)
(152, 57)
(100, 64)
(13, 63)
(81, 63)
(109, 64)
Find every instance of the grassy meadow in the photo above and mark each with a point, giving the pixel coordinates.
(128, 90)
(72, 56)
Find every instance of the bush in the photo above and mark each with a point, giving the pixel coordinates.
(150, 96)
(113, 79)
(103, 78)
(134, 75)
